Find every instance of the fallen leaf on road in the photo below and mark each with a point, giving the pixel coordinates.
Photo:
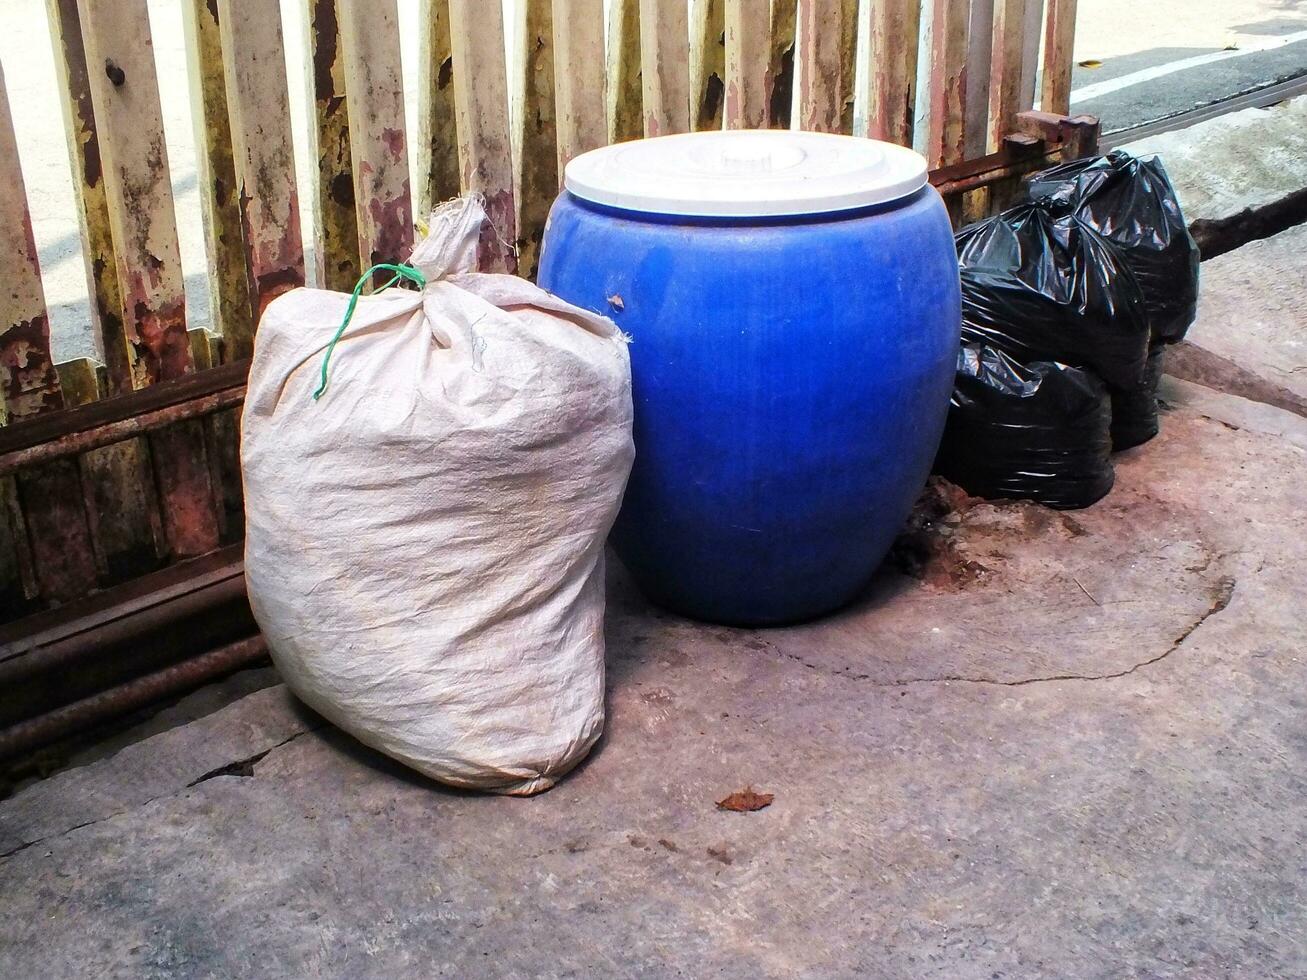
(745, 801)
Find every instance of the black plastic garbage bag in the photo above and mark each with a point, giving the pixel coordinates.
(1134, 410)
(1036, 431)
(1131, 202)
(1042, 287)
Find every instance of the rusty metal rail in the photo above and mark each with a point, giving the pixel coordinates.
(70, 668)
(134, 694)
(78, 430)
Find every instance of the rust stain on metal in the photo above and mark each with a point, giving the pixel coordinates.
(826, 80)
(267, 280)
(31, 384)
(394, 140)
(337, 225)
(259, 112)
(625, 76)
(189, 508)
(493, 253)
(163, 346)
(369, 51)
(326, 38)
(84, 144)
(228, 282)
(947, 80)
(892, 81)
(52, 503)
(28, 379)
(537, 131)
(393, 221)
(437, 175)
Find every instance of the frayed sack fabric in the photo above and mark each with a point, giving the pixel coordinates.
(424, 545)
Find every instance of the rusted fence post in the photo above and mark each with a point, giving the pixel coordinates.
(892, 76)
(481, 104)
(49, 498)
(254, 60)
(748, 52)
(827, 38)
(383, 204)
(708, 62)
(31, 384)
(138, 192)
(780, 65)
(336, 232)
(625, 88)
(579, 82)
(1059, 40)
(216, 175)
(437, 140)
(122, 508)
(664, 67)
(537, 131)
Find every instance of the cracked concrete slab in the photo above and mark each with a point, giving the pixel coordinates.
(1234, 411)
(1234, 163)
(1252, 310)
(142, 772)
(1148, 822)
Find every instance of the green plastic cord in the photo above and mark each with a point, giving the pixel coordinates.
(400, 272)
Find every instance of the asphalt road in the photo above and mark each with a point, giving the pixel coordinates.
(1145, 51)
(1143, 61)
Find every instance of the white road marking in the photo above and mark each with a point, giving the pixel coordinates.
(1158, 71)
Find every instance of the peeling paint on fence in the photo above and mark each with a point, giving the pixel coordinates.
(369, 37)
(336, 251)
(537, 131)
(708, 63)
(892, 79)
(484, 146)
(946, 97)
(1059, 40)
(27, 374)
(438, 173)
(664, 67)
(625, 85)
(138, 192)
(93, 206)
(258, 105)
(748, 66)
(216, 174)
(827, 42)
(579, 78)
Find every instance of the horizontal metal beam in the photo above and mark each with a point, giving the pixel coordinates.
(130, 696)
(101, 423)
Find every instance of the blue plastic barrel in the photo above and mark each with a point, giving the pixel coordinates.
(791, 369)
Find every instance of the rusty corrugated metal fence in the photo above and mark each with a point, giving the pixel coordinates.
(109, 472)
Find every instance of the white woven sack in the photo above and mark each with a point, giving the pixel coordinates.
(424, 544)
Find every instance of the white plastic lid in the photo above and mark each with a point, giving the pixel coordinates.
(746, 173)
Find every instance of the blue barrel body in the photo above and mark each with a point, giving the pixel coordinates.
(791, 378)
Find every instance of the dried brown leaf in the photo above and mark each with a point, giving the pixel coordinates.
(745, 801)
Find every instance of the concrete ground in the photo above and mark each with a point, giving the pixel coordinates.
(1238, 162)
(1067, 744)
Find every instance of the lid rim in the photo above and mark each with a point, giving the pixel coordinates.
(661, 176)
